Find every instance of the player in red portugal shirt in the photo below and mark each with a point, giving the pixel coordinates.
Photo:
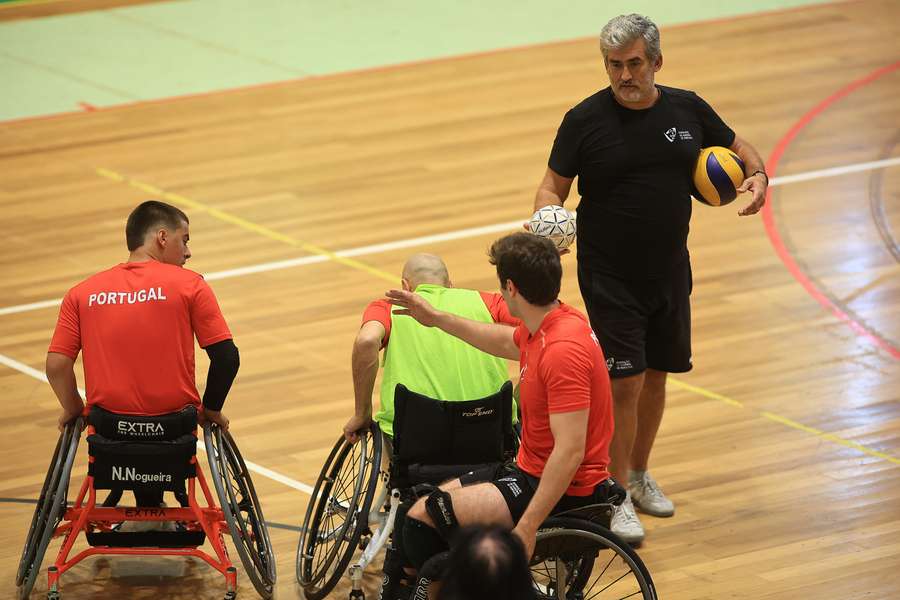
(135, 326)
(565, 402)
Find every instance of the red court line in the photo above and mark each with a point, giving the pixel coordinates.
(769, 219)
(413, 63)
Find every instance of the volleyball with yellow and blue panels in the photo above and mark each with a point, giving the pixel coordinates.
(718, 174)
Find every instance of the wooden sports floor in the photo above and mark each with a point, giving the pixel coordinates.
(781, 449)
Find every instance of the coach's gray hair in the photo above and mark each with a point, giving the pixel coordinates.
(625, 29)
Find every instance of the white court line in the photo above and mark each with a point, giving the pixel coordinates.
(376, 248)
(451, 235)
(297, 485)
(836, 171)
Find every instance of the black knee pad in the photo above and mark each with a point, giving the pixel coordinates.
(421, 542)
(439, 507)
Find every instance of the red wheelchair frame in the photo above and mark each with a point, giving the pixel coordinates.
(209, 520)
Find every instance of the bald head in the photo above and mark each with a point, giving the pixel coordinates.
(425, 268)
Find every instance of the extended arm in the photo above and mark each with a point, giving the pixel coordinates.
(488, 337)
(554, 189)
(61, 375)
(758, 183)
(365, 368)
(224, 362)
(569, 433)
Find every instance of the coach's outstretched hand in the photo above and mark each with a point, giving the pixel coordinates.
(414, 306)
(213, 416)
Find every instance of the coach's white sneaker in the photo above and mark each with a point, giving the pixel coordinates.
(625, 522)
(647, 496)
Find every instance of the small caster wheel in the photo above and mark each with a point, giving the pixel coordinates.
(230, 595)
(53, 595)
(357, 595)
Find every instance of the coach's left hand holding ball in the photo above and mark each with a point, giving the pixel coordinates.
(757, 184)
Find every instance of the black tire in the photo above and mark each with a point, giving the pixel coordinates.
(50, 508)
(241, 508)
(36, 528)
(338, 513)
(575, 559)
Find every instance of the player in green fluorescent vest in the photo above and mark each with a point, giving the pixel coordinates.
(425, 360)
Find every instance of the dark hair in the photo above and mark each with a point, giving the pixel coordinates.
(487, 563)
(532, 263)
(147, 215)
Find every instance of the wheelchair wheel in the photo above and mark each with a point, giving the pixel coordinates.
(241, 508)
(575, 559)
(50, 508)
(338, 513)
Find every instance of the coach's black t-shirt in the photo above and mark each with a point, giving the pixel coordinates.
(634, 171)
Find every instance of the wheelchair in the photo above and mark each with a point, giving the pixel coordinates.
(356, 500)
(148, 455)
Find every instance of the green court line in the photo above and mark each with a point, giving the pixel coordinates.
(166, 49)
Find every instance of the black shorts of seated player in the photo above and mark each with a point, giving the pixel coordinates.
(487, 563)
(518, 488)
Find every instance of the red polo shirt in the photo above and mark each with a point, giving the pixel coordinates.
(136, 324)
(563, 370)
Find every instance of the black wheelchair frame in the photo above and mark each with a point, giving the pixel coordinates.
(354, 506)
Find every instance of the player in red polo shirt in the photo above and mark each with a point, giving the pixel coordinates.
(566, 404)
(135, 325)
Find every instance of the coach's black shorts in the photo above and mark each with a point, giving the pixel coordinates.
(518, 488)
(641, 324)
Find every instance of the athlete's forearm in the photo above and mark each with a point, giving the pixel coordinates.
(224, 362)
(492, 338)
(61, 375)
(364, 364)
(557, 476)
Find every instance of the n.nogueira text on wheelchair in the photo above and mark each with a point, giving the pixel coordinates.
(140, 296)
(131, 474)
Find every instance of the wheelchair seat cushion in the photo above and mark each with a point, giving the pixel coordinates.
(171, 426)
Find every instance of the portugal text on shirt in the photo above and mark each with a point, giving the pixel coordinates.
(139, 296)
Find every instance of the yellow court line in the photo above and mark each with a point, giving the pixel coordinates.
(704, 392)
(244, 223)
(785, 421)
(280, 237)
(830, 437)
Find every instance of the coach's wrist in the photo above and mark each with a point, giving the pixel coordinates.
(760, 172)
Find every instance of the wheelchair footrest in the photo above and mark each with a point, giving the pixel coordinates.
(147, 539)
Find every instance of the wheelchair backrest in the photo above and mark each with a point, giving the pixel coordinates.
(142, 452)
(452, 432)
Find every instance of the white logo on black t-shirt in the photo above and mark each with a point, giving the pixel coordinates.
(670, 134)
